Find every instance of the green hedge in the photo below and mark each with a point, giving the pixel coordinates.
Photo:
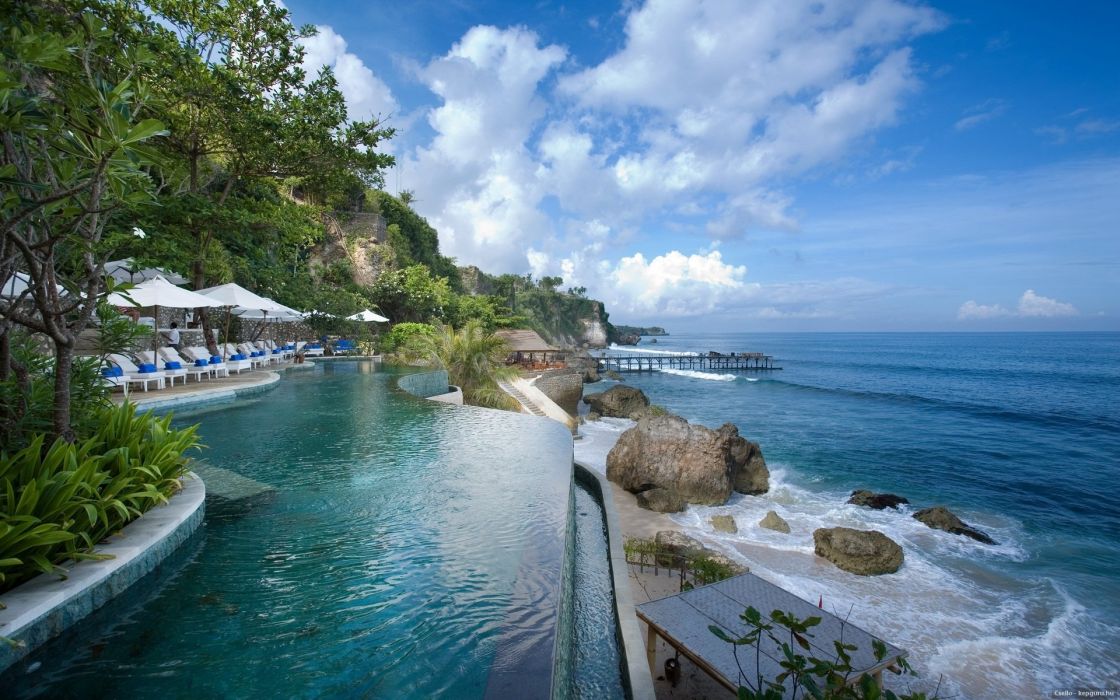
(58, 501)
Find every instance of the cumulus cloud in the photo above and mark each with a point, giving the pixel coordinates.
(673, 284)
(366, 95)
(479, 184)
(1035, 305)
(1031, 305)
(690, 126)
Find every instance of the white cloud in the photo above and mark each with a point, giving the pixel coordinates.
(366, 95)
(672, 284)
(689, 125)
(978, 114)
(1034, 305)
(478, 184)
(1031, 305)
(970, 310)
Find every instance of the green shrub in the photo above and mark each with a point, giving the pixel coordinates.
(404, 336)
(57, 502)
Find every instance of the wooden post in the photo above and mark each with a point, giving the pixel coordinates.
(651, 649)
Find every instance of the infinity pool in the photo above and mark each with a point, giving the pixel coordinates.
(358, 542)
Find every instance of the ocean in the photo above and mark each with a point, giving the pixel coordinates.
(1017, 433)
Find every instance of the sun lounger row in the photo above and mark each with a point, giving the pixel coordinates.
(195, 361)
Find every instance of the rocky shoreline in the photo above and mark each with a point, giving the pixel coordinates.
(666, 463)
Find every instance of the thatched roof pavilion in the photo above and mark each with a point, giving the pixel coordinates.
(527, 347)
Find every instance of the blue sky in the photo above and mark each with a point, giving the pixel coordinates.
(785, 165)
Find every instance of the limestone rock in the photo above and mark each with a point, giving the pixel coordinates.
(611, 374)
(773, 521)
(863, 552)
(618, 402)
(878, 501)
(564, 387)
(724, 523)
(752, 478)
(593, 416)
(591, 375)
(662, 500)
(941, 518)
(667, 451)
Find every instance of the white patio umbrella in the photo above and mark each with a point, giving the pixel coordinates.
(159, 292)
(125, 270)
(17, 284)
(235, 297)
(367, 315)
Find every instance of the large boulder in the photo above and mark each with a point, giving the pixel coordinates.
(618, 402)
(941, 518)
(775, 522)
(668, 451)
(878, 501)
(752, 478)
(662, 500)
(863, 552)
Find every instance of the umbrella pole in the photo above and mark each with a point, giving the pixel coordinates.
(224, 349)
(155, 338)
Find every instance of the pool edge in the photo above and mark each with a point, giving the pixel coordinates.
(633, 648)
(44, 607)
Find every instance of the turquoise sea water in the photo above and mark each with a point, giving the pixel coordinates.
(1019, 434)
(358, 542)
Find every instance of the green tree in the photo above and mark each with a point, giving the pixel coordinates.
(474, 360)
(411, 294)
(242, 109)
(75, 137)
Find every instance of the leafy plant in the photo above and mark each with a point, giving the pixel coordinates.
(808, 676)
(58, 501)
(474, 360)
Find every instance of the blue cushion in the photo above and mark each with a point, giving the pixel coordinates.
(277, 352)
(237, 356)
(201, 363)
(215, 360)
(112, 371)
(146, 367)
(173, 365)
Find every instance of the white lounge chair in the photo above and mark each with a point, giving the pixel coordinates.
(275, 354)
(197, 352)
(169, 355)
(228, 352)
(133, 374)
(309, 351)
(251, 354)
(147, 356)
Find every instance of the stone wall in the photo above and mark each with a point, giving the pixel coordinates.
(564, 387)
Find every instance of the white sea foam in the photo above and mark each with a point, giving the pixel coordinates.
(629, 349)
(989, 634)
(596, 440)
(710, 376)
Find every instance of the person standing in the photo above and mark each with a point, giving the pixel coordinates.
(173, 337)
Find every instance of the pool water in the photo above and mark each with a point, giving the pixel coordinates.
(358, 542)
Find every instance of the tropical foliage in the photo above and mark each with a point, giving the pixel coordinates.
(59, 500)
(806, 675)
(474, 359)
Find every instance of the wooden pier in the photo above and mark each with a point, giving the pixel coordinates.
(736, 362)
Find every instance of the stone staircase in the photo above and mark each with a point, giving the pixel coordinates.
(527, 404)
